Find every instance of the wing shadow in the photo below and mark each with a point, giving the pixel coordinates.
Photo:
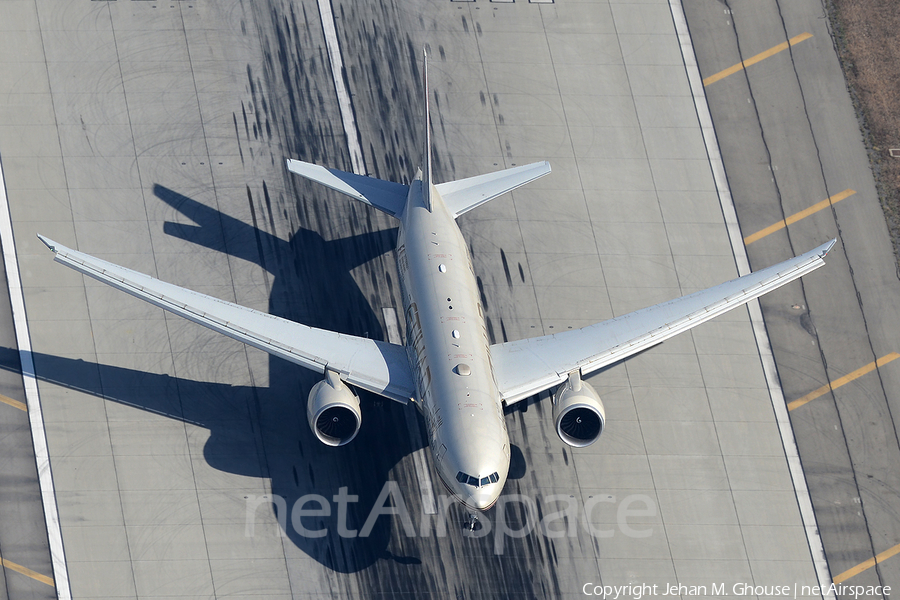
(262, 432)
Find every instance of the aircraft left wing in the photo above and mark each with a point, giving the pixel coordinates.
(386, 196)
(372, 365)
(527, 367)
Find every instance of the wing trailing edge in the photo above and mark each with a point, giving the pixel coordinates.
(372, 365)
(527, 367)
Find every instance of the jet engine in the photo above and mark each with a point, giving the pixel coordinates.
(578, 412)
(333, 411)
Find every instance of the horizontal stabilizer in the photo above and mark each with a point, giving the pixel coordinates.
(386, 196)
(372, 365)
(527, 367)
(463, 195)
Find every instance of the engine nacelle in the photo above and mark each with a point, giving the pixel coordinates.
(333, 411)
(578, 412)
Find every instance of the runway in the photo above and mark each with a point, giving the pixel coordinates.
(154, 135)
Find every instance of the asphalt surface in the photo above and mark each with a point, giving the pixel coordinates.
(154, 134)
(790, 139)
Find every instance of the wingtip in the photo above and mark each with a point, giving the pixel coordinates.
(826, 247)
(47, 242)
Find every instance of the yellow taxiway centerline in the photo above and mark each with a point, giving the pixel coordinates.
(797, 216)
(26, 571)
(867, 564)
(755, 59)
(843, 380)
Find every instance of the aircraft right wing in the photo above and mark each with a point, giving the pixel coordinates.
(527, 367)
(372, 365)
(463, 195)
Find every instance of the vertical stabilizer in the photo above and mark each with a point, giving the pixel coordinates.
(426, 168)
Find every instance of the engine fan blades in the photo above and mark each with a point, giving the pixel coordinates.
(580, 424)
(337, 422)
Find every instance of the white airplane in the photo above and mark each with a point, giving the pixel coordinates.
(447, 368)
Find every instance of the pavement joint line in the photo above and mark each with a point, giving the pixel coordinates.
(797, 216)
(833, 385)
(868, 564)
(14, 404)
(26, 571)
(742, 262)
(32, 396)
(337, 70)
(755, 59)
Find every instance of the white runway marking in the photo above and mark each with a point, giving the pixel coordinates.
(393, 327)
(359, 167)
(425, 486)
(35, 416)
(337, 72)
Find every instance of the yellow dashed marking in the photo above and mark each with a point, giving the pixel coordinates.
(13, 403)
(867, 564)
(26, 571)
(755, 59)
(797, 216)
(843, 380)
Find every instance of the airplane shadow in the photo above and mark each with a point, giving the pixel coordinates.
(263, 432)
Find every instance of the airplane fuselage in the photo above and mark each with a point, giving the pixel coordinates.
(449, 353)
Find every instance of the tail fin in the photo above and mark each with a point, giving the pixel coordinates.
(463, 195)
(426, 169)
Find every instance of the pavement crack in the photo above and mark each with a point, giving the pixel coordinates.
(853, 279)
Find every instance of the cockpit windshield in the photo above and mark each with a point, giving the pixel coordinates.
(477, 482)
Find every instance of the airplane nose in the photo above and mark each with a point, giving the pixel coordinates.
(483, 499)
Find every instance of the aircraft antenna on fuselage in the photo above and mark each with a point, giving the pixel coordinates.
(426, 170)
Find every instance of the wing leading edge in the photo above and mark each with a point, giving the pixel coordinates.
(527, 367)
(372, 365)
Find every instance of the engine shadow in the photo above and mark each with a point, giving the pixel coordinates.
(310, 282)
(261, 432)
